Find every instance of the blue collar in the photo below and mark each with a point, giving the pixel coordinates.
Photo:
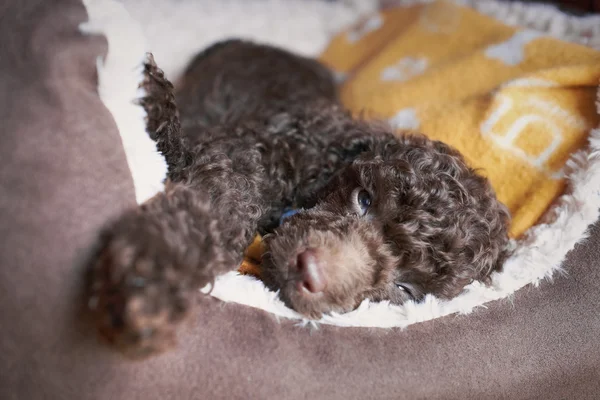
(288, 212)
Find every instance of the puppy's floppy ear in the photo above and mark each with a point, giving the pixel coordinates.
(498, 256)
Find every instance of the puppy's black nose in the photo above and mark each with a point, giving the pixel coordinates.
(311, 271)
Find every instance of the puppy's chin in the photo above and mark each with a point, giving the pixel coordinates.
(346, 270)
(310, 305)
(314, 305)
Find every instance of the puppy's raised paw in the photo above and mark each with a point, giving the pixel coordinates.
(162, 115)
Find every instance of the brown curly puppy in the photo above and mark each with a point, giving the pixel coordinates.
(379, 216)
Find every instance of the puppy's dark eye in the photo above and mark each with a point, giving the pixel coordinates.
(363, 201)
(406, 289)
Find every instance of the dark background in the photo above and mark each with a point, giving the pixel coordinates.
(574, 5)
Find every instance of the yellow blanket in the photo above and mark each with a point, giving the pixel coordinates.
(516, 103)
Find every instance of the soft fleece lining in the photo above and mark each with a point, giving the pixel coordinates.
(194, 25)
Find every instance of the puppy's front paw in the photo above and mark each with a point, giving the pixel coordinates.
(144, 284)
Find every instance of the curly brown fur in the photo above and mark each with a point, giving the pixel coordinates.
(262, 131)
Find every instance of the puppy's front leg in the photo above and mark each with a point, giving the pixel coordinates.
(156, 257)
(152, 263)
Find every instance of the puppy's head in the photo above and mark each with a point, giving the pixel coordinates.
(396, 224)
